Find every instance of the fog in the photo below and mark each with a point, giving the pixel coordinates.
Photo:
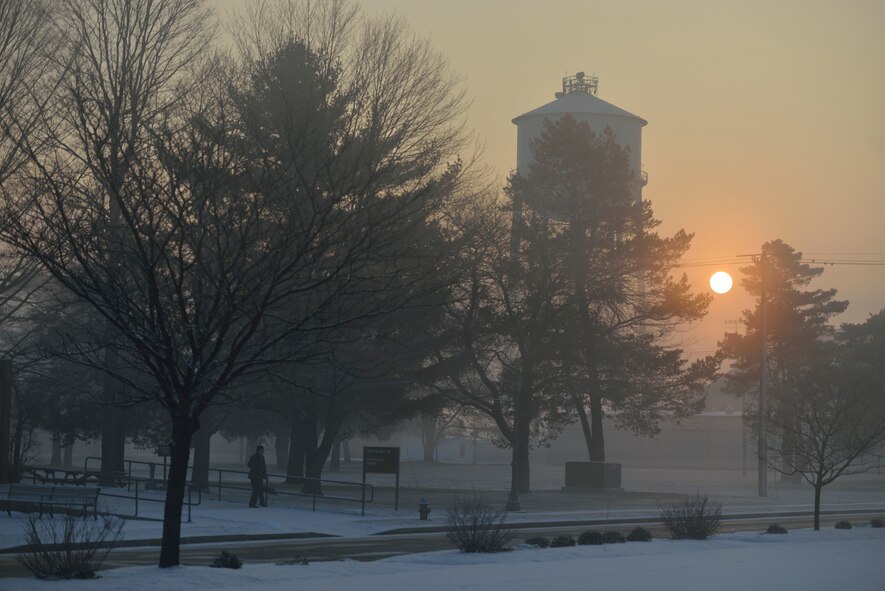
(335, 267)
(765, 119)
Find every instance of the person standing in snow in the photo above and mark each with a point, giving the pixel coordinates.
(257, 476)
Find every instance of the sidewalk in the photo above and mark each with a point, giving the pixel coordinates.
(645, 489)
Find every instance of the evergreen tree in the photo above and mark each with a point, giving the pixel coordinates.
(620, 302)
(796, 321)
(797, 318)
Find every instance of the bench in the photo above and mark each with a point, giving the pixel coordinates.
(32, 494)
(61, 476)
(47, 498)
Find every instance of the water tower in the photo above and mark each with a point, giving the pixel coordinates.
(578, 99)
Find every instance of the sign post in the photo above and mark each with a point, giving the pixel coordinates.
(5, 418)
(163, 451)
(381, 460)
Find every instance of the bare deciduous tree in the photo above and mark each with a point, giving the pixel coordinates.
(20, 279)
(27, 46)
(827, 424)
(215, 236)
(499, 358)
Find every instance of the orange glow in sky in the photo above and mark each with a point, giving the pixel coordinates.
(766, 119)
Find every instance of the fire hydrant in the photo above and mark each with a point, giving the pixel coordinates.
(423, 508)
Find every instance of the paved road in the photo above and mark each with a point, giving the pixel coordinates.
(383, 546)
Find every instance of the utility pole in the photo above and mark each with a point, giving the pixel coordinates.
(763, 380)
(515, 239)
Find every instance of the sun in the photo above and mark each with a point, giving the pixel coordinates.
(721, 282)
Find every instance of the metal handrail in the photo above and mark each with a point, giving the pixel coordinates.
(128, 472)
(189, 503)
(367, 491)
(364, 487)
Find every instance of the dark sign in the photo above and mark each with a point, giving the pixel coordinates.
(164, 451)
(381, 460)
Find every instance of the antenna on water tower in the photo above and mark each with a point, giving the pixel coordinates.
(580, 82)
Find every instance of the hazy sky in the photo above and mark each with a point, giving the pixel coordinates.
(766, 119)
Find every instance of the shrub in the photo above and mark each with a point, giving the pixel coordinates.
(590, 538)
(776, 528)
(292, 561)
(695, 518)
(539, 541)
(226, 560)
(613, 537)
(639, 534)
(473, 525)
(876, 522)
(843, 525)
(68, 547)
(562, 541)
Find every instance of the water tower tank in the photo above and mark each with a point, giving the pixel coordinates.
(578, 98)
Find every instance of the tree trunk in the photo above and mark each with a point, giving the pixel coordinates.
(281, 447)
(523, 413)
(55, 459)
(428, 438)
(69, 455)
(313, 460)
(597, 443)
(523, 480)
(335, 457)
(113, 428)
(313, 468)
(316, 459)
(345, 447)
(297, 448)
(295, 467)
(594, 436)
(202, 454)
(182, 432)
(113, 438)
(817, 487)
(320, 449)
(18, 443)
(585, 425)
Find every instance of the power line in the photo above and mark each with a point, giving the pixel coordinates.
(857, 262)
(844, 254)
(712, 262)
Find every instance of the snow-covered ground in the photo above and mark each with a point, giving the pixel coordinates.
(225, 519)
(843, 560)
(230, 519)
(644, 490)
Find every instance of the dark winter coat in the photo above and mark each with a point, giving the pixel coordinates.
(257, 467)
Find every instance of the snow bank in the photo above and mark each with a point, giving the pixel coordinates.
(803, 559)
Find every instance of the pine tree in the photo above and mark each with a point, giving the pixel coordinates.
(620, 301)
(797, 320)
